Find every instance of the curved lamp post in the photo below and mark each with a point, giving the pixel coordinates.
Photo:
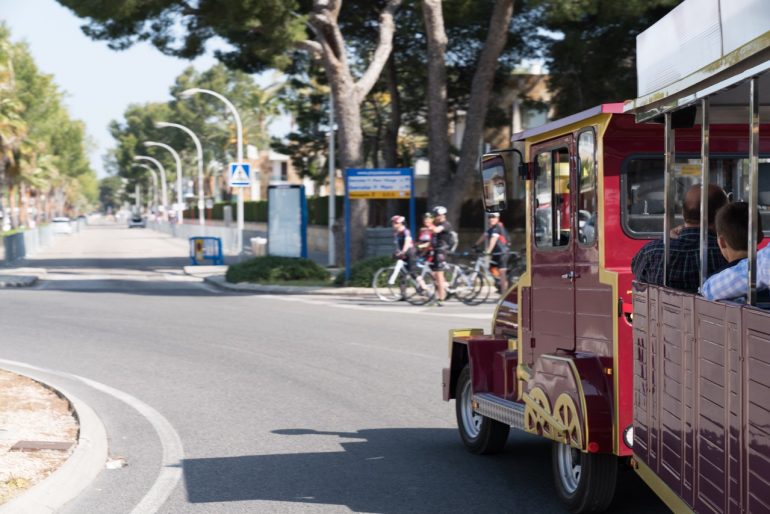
(179, 199)
(163, 188)
(154, 175)
(199, 149)
(239, 151)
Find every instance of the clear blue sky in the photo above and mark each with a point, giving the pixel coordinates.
(100, 83)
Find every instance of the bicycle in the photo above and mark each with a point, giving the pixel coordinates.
(395, 283)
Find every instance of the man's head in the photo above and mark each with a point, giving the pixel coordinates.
(493, 218)
(439, 213)
(732, 226)
(691, 205)
(427, 218)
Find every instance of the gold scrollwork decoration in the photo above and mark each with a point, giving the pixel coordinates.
(566, 414)
(537, 412)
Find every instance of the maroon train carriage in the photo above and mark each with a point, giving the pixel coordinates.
(618, 373)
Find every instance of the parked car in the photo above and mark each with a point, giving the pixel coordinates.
(136, 220)
(61, 225)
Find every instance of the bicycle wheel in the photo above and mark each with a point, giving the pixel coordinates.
(481, 289)
(385, 291)
(420, 290)
(463, 283)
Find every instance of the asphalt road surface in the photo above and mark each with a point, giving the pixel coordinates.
(261, 404)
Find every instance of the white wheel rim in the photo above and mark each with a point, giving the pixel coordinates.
(471, 420)
(569, 467)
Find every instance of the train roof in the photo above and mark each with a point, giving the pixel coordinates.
(612, 108)
(700, 48)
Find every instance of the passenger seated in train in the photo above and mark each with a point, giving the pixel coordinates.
(732, 225)
(684, 263)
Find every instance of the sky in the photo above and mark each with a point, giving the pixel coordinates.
(99, 83)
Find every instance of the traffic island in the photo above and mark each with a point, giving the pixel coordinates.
(38, 433)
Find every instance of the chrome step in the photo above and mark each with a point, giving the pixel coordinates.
(504, 411)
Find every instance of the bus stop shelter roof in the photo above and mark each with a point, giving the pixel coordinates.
(702, 48)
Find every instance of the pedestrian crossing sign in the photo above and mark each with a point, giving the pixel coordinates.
(240, 174)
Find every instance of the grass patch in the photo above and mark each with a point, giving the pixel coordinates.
(362, 272)
(278, 270)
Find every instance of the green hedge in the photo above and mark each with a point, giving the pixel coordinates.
(273, 269)
(362, 272)
(471, 215)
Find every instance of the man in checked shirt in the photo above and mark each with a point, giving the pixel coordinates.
(731, 283)
(684, 263)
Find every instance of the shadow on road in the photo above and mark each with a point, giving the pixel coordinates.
(139, 263)
(399, 470)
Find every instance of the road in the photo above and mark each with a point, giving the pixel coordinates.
(261, 404)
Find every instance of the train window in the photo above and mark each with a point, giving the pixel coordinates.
(587, 207)
(643, 187)
(552, 199)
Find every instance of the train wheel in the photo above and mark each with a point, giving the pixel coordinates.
(480, 434)
(585, 482)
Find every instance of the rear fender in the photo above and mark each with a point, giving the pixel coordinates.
(576, 384)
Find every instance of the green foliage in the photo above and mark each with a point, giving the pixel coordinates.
(595, 61)
(42, 149)
(362, 272)
(273, 269)
(110, 192)
(206, 116)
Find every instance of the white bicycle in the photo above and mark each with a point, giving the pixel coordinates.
(395, 283)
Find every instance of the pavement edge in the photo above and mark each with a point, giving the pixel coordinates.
(245, 287)
(77, 473)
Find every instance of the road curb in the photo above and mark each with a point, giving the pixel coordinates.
(77, 473)
(7, 281)
(244, 287)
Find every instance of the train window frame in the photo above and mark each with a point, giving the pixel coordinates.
(564, 143)
(624, 168)
(589, 130)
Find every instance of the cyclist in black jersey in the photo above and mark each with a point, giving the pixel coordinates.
(442, 235)
(497, 246)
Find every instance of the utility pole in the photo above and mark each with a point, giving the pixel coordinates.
(332, 181)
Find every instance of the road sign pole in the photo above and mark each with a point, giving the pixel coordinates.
(347, 226)
(412, 207)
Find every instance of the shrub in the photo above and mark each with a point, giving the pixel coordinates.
(362, 272)
(276, 269)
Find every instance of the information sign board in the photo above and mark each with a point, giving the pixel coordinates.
(240, 174)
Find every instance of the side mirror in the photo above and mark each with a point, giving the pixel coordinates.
(493, 181)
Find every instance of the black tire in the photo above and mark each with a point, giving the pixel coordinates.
(417, 294)
(593, 489)
(479, 291)
(385, 291)
(480, 434)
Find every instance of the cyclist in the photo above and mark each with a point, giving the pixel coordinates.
(402, 239)
(443, 236)
(424, 246)
(498, 247)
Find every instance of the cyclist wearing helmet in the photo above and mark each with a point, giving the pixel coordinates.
(442, 235)
(425, 237)
(497, 246)
(402, 239)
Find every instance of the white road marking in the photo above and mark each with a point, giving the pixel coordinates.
(390, 310)
(173, 452)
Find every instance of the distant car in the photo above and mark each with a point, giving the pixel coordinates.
(136, 220)
(61, 225)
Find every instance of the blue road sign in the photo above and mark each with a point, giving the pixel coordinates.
(240, 174)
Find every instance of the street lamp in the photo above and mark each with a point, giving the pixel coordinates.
(164, 190)
(239, 152)
(154, 175)
(179, 199)
(201, 199)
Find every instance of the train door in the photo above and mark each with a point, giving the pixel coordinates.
(552, 243)
(593, 300)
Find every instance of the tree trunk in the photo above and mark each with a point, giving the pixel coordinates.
(481, 89)
(447, 188)
(12, 205)
(390, 140)
(440, 186)
(348, 94)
